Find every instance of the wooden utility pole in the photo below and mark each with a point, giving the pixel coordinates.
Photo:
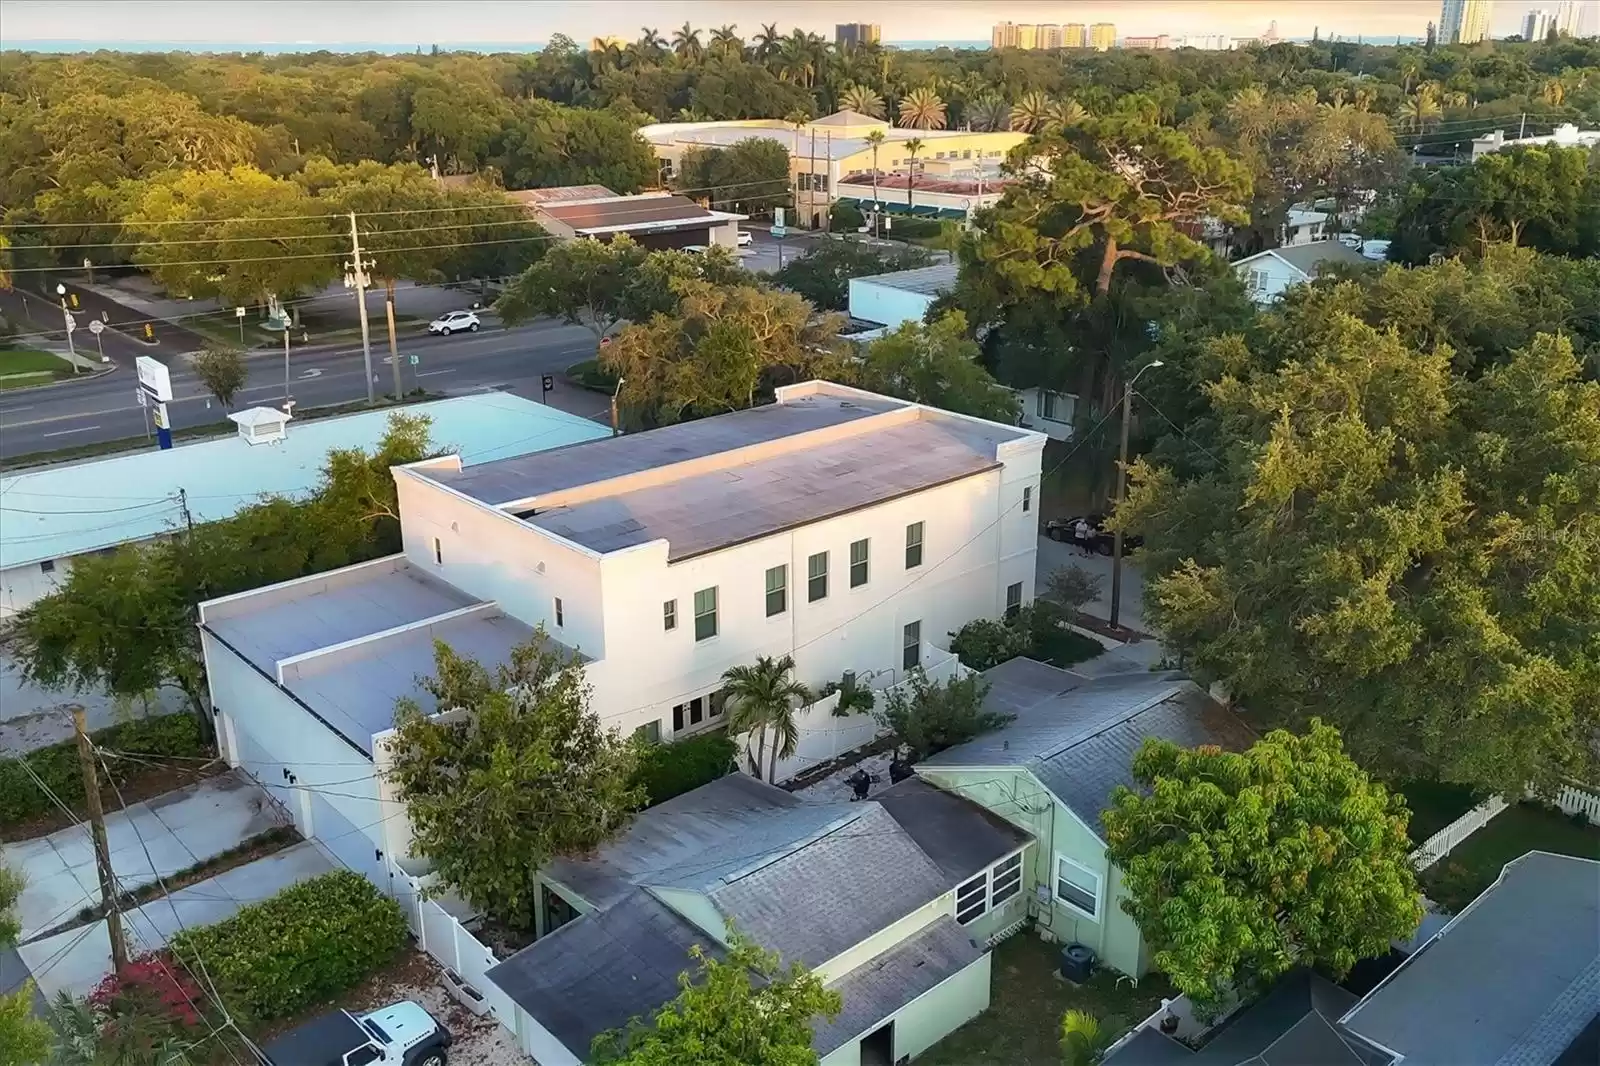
(102, 852)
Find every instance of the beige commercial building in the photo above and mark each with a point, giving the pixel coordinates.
(1103, 36)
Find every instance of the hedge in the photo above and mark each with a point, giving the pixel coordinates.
(304, 946)
(169, 735)
(668, 770)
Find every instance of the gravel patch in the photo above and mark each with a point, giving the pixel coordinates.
(478, 1041)
(834, 789)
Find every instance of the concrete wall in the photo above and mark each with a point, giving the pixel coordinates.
(875, 302)
(22, 585)
(1017, 796)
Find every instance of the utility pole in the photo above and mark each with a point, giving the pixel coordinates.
(355, 277)
(615, 425)
(1522, 130)
(1122, 483)
(286, 396)
(72, 349)
(188, 516)
(102, 852)
(394, 351)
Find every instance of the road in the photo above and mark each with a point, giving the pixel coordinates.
(106, 407)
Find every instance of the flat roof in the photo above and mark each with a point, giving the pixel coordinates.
(719, 509)
(928, 280)
(560, 193)
(627, 211)
(56, 512)
(354, 688)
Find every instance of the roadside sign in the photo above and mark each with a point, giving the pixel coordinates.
(72, 323)
(547, 382)
(415, 360)
(154, 377)
(779, 230)
(605, 342)
(238, 312)
(96, 326)
(144, 400)
(161, 417)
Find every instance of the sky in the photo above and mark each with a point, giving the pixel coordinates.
(412, 22)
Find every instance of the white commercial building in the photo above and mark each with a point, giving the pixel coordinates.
(1565, 135)
(847, 529)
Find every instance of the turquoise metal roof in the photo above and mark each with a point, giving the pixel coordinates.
(60, 511)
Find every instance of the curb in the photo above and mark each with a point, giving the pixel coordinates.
(67, 383)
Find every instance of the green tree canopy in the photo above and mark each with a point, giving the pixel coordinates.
(584, 282)
(23, 1038)
(936, 364)
(751, 176)
(823, 274)
(743, 1010)
(1240, 866)
(544, 144)
(517, 771)
(221, 369)
(1378, 539)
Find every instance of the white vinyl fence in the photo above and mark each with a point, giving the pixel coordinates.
(1444, 841)
(825, 736)
(443, 935)
(1574, 800)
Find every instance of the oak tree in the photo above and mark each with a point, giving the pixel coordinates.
(221, 369)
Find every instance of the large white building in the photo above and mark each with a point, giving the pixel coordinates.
(1465, 21)
(852, 531)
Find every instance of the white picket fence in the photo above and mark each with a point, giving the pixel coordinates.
(825, 736)
(1574, 800)
(1441, 843)
(443, 935)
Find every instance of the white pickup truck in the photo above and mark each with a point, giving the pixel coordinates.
(401, 1034)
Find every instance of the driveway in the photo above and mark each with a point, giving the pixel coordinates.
(74, 961)
(1054, 554)
(180, 830)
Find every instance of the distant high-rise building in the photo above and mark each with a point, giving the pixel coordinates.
(1028, 37)
(1047, 37)
(1103, 36)
(1465, 21)
(857, 33)
(1074, 35)
(1565, 19)
(1003, 35)
(1042, 36)
(1535, 25)
(1147, 43)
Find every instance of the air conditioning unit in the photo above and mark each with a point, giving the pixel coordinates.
(1077, 963)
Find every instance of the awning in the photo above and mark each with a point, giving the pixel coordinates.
(925, 210)
(952, 212)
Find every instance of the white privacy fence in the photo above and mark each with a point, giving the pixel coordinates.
(444, 936)
(825, 736)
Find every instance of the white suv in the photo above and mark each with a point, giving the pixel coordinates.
(746, 238)
(454, 322)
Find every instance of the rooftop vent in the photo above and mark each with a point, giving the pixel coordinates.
(262, 425)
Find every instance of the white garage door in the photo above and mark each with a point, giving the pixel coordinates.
(261, 764)
(347, 842)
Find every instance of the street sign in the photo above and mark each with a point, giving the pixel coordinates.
(415, 360)
(154, 377)
(779, 230)
(144, 400)
(96, 326)
(238, 312)
(547, 382)
(72, 323)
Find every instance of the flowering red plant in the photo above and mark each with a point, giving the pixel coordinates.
(152, 985)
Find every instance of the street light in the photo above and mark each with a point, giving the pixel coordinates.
(1122, 482)
(61, 291)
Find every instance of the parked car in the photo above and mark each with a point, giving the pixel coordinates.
(1101, 540)
(746, 238)
(401, 1034)
(695, 249)
(454, 322)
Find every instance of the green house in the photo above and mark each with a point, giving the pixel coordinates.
(1051, 772)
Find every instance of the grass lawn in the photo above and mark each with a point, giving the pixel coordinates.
(588, 375)
(1063, 648)
(20, 367)
(1022, 1026)
(1458, 878)
(225, 331)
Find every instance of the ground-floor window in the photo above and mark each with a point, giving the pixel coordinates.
(988, 890)
(1078, 887)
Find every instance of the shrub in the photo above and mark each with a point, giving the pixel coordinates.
(984, 642)
(303, 946)
(150, 1002)
(1048, 640)
(926, 717)
(667, 770)
(169, 735)
(845, 218)
(1072, 586)
(589, 375)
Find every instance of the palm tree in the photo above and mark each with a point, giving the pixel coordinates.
(725, 41)
(794, 60)
(767, 41)
(875, 139)
(862, 99)
(1553, 91)
(1421, 109)
(913, 146)
(922, 109)
(988, 112)
(1250, 113)
(763, 697)
(1029, 113)
(1083, 1040)
(1064, 113)
(686, 44)
(650, 44)
(1410, 70)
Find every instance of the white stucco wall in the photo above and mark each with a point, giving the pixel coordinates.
(1058, 427)
(22, 585)
(1279, 275)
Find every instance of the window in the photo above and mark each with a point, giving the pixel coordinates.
(819, 182)
(561, 617)
(989, 889)
(1257, 281)
(1078, 887)
(1045, 405)
(972, 899)
(697, 710)
(911, 645)
(48, 566)
(677, 718)
(1005, 880)
(1013, 600)
(938, 155)
(913, 545)
(777, 590)
(650, 732)
(858, 563)
(705, 614)
(817, 577)
(1027, 498)
(438, 552)
(966, 153)
(803, 182)
(669, 615)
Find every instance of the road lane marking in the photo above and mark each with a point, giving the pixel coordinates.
(68, 432)
(431, 373)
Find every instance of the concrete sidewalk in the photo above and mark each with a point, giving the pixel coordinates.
(74, 961)
(158, 837)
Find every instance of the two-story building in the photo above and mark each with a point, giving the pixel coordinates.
(849, 530)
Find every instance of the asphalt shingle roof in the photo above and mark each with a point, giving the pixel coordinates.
(959, 836)
(1308, 258)
(1512, 980)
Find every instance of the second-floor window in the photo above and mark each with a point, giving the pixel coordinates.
(705, 614)
(1013, 600)
(911, 645)
(817, 577)
(561, 616)
(1027, 498)
(438, 552)
(669, 615)
(858, 563)
(913, 545)
(777, 590)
